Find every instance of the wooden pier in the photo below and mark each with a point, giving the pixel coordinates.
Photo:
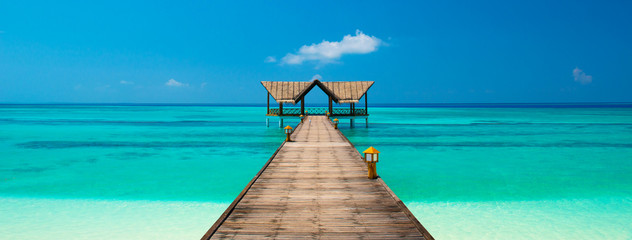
(316, 187)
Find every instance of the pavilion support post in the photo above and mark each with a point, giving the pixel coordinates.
(302, 105)
(267, 122)
(351, 122)
(366, 107)
(353, 109)
(331, 112)
(280, 122)
(280, 109)
(268, 103)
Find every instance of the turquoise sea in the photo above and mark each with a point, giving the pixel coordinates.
(167, 172)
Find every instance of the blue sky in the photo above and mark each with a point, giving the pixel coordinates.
(218, 51)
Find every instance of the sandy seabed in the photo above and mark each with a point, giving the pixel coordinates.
(34, 218)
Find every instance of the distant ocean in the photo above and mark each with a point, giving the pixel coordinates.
(467, 171)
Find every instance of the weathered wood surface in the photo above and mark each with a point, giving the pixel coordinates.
(316, 187)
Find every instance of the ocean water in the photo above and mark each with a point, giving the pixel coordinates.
(167, 172)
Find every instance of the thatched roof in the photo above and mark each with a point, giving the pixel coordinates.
(340, 92)
(347, 92)
(287, 92)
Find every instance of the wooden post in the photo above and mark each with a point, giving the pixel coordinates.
(350, 108)
(288, 131)
(331, 109)
(280, 109)
(366, 104)
(353, 109)
(372, 173)
(302, 105)
(268, 103)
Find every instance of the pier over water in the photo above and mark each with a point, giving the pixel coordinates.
(316, 186)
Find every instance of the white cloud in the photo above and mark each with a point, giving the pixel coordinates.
(270, 59)
(317, 76)
(174, 83)
(328, 52)
(126, 82)
(581, 76)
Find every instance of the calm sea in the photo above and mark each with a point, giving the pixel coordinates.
(167, 172)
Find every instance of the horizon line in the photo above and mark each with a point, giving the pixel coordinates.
(325, 104)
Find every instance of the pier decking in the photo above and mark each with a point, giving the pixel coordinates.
(316, 187)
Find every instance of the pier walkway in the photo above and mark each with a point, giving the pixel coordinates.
(316, 187)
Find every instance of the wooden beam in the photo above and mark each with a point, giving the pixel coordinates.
(366, 103)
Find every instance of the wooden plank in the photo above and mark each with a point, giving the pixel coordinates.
(316, 187)
(226, 213)
(405, 209)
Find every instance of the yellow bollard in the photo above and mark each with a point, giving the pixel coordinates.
(301, 117)
(335, 123)
(288, 131)
(371, 157)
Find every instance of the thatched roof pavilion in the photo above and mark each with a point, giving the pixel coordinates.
(338, 92)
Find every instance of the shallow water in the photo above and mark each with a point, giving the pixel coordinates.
(522, 173)
(167, 172)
